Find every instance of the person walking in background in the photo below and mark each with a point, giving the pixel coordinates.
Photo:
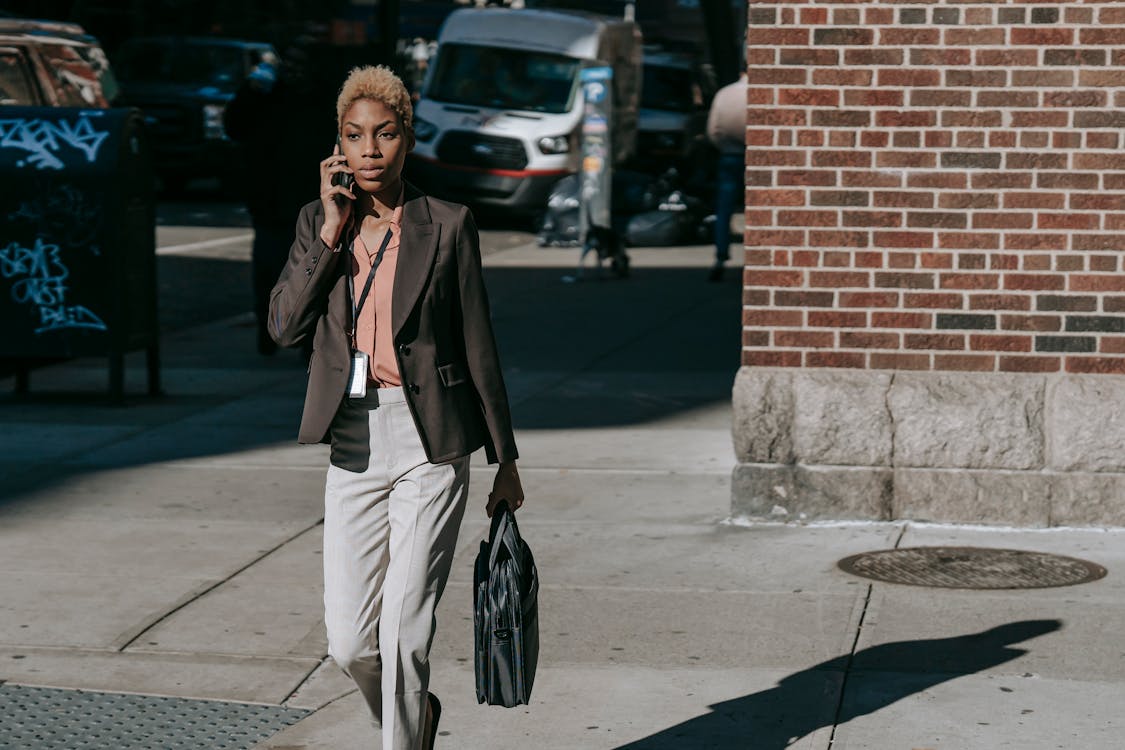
(726, 127)
(275, 118)
(405, 383)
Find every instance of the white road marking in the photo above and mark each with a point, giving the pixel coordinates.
(190, 247)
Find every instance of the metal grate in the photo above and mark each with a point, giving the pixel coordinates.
(52, 719)
(972, 568)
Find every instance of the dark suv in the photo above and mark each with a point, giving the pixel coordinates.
(52, 64)
(183, 85)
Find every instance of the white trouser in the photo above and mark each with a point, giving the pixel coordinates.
(391, 520)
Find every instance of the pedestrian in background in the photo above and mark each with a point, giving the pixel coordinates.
(275, 118)
(726, 127)
(405, 383)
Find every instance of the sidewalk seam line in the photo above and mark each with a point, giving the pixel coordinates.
(216, 585)
(848, 667)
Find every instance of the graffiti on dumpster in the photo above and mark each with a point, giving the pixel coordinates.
(63, 213)
(40, 280)
(42, 139)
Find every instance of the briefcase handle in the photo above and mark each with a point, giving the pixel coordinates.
(502, 519)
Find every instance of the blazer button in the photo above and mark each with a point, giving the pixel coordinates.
(308, 272)
(404, 350)
(414, 388)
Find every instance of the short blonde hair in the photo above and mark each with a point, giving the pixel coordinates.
(378, 83)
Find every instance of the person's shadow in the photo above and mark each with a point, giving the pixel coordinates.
(806, 701)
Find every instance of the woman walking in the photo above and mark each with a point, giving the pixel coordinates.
(405, 383)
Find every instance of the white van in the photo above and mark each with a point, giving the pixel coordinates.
(500, 116)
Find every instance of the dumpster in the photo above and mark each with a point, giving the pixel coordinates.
(77, 240)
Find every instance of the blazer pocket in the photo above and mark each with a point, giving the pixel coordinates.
(452, 374)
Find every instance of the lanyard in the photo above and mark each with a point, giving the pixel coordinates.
(357, 306)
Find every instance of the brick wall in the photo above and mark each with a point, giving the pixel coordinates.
(936, 186)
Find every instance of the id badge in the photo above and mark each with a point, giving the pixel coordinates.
(357, 379)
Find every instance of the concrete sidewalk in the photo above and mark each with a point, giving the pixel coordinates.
(171, 547)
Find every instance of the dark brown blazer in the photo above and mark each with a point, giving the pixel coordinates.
(443, 336)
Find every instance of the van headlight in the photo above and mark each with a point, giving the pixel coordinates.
(554, 144)
(213, 121)
(424, 130)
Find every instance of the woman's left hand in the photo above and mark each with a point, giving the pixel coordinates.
(506, 487)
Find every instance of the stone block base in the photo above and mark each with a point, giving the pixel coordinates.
(988, 448)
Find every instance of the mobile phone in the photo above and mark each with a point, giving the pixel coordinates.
(343, 179)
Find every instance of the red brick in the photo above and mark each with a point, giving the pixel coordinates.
(769, 318)
(1095, 242)
(940, 58)
(776, 116)
(1069, 221)
(905, 36)
(1030, 364)
(1031, 262)
(909, 77)
(755, 296)
(902, 260)
(1075, 98)
(869, 299)
(775, 197)
(837, 259)
(841, 138)
(1007, 58)
(903, 280)
(999, 343)
(936, 219)
(903, 199)
(775, 158)
(841, 77)
(1103, 140)
(972, 261)
(1041, 119)
(870, 179)
(972, 118)
(936, 260)
(757, 218)
(872, 219)
(970, 281)
(1112, 345)
(1036, 323)
(1036, 241)
(975, 78)
(810, 138)
(874, 138)
(771, 359)
(868, 57)
(808, 218)
(1097, 201)
(772, 36)
(1099, 36)
(968, 240)
(964, 362)
(836, 279)
(815, 178)
(760, 96)
(869, 260)
(969, 139)
(834, 359)
(1103, 263)
(1085, 283)
(1019, 199)
(808, 56)
(1033, 282)
(814, 16)
(884, 361)
(999, 302)
(1042, 37)
(868, 340)
(934, 301)
(904, 239)
(806, 258)
(1001, 180)
(776, 76)
(803, 299)
(1016, 160)
(939, 180)
(767, 238)
(807, 339)
(906, 160)
(938, 139)
(774, 278)
(1002, 220)
(837, 319)
(901, 320)
(932, 341)
(1096, 365)
(1001, 139)
(756, 338)
(841, 159)
(907, 139)
(1070, 263)
(982, 37)
(1008, 98)
(809, 97)
(873, 98)
(839, 238)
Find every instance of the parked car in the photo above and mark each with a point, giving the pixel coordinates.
(676, 91)
(183, 85)
(52, 64)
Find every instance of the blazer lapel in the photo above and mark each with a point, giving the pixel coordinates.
(416, 252)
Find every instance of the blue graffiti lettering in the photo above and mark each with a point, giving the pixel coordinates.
(41, 139)
(40, 280)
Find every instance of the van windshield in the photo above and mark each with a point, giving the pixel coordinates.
(503, 78)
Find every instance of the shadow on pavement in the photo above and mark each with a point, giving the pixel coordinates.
(773, 719)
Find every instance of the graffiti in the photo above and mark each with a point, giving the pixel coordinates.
(42, 139)
(40, 280)
(62, 212)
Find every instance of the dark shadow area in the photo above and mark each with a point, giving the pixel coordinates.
(202, 203)
(805, 701)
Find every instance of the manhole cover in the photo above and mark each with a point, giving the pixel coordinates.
(972, 568)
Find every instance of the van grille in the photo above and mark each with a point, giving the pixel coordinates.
(470, 149)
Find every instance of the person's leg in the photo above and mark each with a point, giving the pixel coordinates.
(425, 511)
(730, 181)
(356, 535)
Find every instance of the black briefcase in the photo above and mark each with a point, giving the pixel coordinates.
(505, 614)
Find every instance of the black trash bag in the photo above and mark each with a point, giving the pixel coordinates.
(505, 614)
(559, 227)
(677, 219)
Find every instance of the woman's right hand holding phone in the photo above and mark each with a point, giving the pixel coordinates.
(335, 198)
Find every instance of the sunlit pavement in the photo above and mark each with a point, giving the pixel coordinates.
(171, 547)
